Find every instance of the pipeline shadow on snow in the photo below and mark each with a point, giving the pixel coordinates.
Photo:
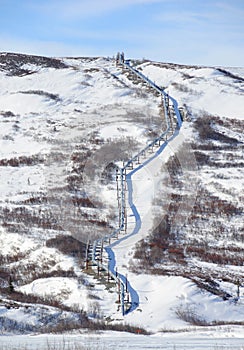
(135, 301)
(130, 192)
(112, 261)
(134, 295)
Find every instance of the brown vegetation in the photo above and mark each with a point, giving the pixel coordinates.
(209, 234)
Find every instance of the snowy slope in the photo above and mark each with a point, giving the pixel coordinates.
(202, 92)
(201, 88)
(62, 124)
(56, 116)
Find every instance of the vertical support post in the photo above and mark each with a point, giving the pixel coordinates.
(238, 289)
(101, 253)
(120, 219)
(118, 194)
(128, 298)
(108, 272)
(125, 220)
(119, 296)
(122, 196)
(117, 182)
(108, 276)
(123, 209)
(87, 253)
(122, 299)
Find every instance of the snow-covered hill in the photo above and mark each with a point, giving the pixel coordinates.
(204, 176)
(64, 124)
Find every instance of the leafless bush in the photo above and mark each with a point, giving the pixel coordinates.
(221, 256)
(8, 325)
(67, 245)
(49, 95)
(184, 88)
(91, 70)
(7, 114)
(35, 199)
(12, 63)
(21, 298)
(119, 327)
(94, 310)
(189, 314)
(12, 257)
(205, 128)
(42, 218)
(160, 245)
(231, 75)
(22, 160)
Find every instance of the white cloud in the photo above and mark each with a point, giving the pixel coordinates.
(181, 17)
(75, 9)
(230, 7)
(208, 12)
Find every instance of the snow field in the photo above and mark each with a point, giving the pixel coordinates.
(217, 338)
(89, 98)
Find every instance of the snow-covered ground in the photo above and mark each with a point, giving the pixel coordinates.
(221, 338)
(162, 298)
(58, 123)
(200, 88)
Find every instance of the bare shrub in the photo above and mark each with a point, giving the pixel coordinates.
(7, 114)
(49, 95)
(67, 245)
(43, 218)
(94, 310)
(22, 160)
(160, 245)
(231, 75)
(12, 63)
(205, 128)
(184, 88)
(188, 314)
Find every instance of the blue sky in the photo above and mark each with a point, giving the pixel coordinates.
(205, 32)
